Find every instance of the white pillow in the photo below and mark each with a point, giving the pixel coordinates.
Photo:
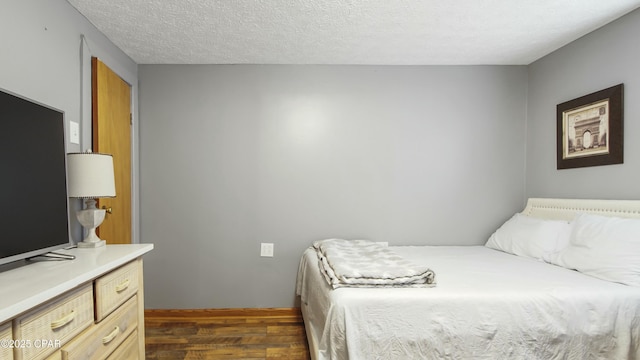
(531, 237)
(605, 247)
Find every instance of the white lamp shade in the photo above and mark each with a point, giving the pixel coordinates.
(90, 175)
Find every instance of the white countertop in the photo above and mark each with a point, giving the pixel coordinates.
(37, 282)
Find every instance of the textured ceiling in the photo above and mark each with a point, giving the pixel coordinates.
(392, 32)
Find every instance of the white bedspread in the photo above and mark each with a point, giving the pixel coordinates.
(487, 305)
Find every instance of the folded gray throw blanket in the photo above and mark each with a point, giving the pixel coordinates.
(364, 263)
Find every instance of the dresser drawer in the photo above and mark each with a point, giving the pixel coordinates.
(58, 321)
(102, 339)
(128, 350)
(115, 288)
(6, 352)
(55, 356)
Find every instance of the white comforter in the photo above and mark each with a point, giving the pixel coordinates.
(487, 305)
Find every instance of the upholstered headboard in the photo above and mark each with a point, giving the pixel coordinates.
(566, 209)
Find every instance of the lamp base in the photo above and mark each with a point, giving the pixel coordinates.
(91, 218)
(91, 244)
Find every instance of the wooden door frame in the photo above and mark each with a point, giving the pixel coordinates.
(89, 49)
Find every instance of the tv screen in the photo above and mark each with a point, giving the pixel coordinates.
(33, 183)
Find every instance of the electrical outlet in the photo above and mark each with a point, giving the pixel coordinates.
(266, 249)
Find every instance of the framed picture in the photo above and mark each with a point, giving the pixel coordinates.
(590, 131)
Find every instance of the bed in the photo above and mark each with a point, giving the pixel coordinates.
(487, 304)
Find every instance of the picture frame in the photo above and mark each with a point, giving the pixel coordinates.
(590, 129)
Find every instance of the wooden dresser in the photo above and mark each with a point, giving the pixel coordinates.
(88, 308)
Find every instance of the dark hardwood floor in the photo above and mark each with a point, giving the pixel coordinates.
(225, 334)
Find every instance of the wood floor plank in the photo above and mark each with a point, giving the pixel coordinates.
(294, 329)
(287, 353)
(225, 334)
(232, 330)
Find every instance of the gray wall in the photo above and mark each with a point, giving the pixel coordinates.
(604, 58)
(232, 156)
(42, 59)
(237, 155)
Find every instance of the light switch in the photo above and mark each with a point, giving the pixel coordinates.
(74, 132)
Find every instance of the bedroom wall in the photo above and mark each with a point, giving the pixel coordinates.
(232, 156)
(601, 59)
(41, 59)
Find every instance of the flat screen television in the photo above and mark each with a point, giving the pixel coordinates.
(34, 207)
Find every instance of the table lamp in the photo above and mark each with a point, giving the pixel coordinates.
(90, 176)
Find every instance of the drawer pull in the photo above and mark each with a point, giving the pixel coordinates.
(107, 339)
(123, 286)
(63, 321)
